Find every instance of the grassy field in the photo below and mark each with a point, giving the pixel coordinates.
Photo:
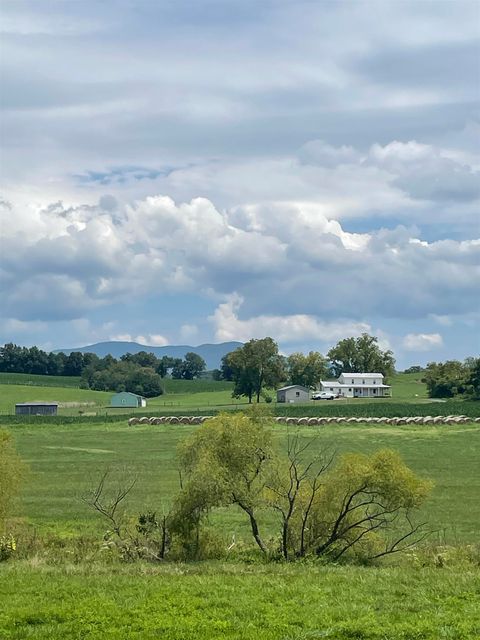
(211, 601)
(201, 396)
(65, 461)
(67, 597)
(38, 380)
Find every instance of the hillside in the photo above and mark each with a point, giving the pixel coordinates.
(211, 353)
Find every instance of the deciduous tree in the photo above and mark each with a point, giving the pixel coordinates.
(362, 354)
(307, 370)
(254, 366)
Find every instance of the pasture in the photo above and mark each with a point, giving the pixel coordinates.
(78, 593)
(202, 396)
(66, 460)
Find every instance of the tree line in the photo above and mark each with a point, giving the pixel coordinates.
(253, 368)
(139, 373)
(453, 379)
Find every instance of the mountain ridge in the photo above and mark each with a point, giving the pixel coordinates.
(212, 353)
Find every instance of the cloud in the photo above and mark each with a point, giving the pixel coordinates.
(150, 340)
(188, 332)
(422, 341)
(285, 329)
(283, 259)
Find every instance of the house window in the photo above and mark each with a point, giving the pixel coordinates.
(374, 391)
(374, 382)
(353, 381)
(297, 393)
(331, 388)
(350, 390)
(363, 381)
(123, 401)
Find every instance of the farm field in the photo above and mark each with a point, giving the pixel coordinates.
(208, 601)
(89, 596)
(188, 395)
(39, 380)
(66, 460)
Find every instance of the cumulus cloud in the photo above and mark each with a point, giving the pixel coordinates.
(422, 341)
(282, 259)
(286, 329)
(150, 340)
(336, 183)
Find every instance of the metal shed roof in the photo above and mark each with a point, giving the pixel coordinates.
(37, 404)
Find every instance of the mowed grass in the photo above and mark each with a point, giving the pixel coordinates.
(213, 601)
(67, 460)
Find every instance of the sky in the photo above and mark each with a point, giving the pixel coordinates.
(181, 172)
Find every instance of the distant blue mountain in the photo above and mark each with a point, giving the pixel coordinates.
(211, 353)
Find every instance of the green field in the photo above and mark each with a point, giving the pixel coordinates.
(203, 396)
(65, 461)
(32, 379)
(64, 589)
(213, 601)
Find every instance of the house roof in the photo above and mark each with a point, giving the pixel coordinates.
(341, 385)
(37, 404)
(361, 375)
(294, 386)
(128, 393)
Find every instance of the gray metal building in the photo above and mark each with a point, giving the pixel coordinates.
(36, 408)
(293, 393)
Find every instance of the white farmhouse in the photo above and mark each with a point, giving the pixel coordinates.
(357, 385)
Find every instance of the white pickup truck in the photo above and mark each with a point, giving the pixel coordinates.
(324, 395)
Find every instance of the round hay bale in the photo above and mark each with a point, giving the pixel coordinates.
(302, 421)
(280, 419)
(156, 421)
(144, 420)
(321, 420)
(312, 421)
(173, 420)
(341, 419)
(477, 420)
(151, 420)
(437, 419)
(292, 420)
(133, 421)
(351, 420)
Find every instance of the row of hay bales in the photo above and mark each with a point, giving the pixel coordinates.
(170, 420)
(315, 421)
(384, 420)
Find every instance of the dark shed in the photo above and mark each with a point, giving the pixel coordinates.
(36, 409)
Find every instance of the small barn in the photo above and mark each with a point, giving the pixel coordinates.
(127, 399)
(293, 393)
(36, 409)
